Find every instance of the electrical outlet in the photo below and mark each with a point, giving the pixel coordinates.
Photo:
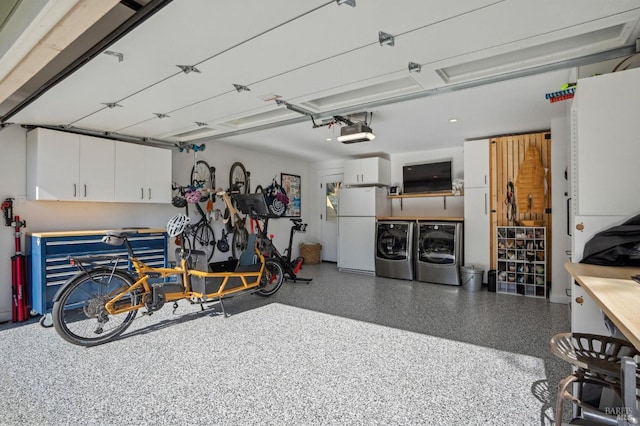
(22, 199)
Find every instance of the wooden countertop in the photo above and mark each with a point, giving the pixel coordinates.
(431, 218)
(613, 290)
(91, 232)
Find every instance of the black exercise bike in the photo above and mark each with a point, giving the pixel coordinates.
(256, 204)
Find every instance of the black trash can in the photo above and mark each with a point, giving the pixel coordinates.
(491, 279)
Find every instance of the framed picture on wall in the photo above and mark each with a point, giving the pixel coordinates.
(292, 187)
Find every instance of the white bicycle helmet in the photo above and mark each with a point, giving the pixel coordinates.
(177, 224)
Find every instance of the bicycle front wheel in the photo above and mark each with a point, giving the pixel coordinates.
(238, 179)
(239, 241)
(79, 313)
(271, 279)
(205, 240)
(201, 176)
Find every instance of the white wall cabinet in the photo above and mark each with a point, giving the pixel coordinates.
(476, 204)
(605, 147)
(143, 174)
(69, 167)
(63, 166)
(367, 171)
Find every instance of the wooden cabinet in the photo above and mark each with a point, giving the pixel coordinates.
(69, 167)
(143, 174)
(476, 205)
(64, 166)
(367, 171)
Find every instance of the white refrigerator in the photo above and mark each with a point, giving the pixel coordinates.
(357, 212)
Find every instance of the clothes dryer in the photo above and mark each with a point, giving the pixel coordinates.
(438, 252)
(394, 249)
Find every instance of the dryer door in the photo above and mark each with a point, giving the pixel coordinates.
(393, 241)
(437, 243)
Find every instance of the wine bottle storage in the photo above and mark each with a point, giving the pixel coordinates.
(521, 261)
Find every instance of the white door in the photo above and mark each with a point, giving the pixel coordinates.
(97, 172)
(329, 192)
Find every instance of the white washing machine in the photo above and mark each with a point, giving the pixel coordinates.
(439, 252)
(394, 249)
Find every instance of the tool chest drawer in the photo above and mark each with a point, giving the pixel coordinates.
(48, 255)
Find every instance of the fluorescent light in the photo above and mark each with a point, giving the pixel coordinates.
(356, 137)
(453, 120)
(358, 132)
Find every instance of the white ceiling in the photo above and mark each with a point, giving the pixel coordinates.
(488, 63)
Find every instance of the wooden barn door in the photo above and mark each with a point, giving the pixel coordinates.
(507, 155)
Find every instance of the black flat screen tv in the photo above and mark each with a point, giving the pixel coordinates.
(427, 178)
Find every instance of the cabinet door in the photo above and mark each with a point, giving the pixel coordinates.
(607, 144)
(352, 172)
(476, 228)
(97, 172)
(158, 175)
(476, 164)
(53, 160)
(375, 171)
(129, 174)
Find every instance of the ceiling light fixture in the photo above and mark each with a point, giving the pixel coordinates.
(358, 132)
(241, 88)
(453, 120)
(188, 68)
(385, 39)
(413, 67)
(351, 3)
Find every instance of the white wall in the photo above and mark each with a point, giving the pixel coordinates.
(42, 216)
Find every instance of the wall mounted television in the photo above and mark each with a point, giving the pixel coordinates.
(427, 178)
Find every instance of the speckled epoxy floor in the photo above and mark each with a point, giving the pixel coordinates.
(417, 354)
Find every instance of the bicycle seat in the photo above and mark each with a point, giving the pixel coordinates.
(116, 238)
(122, 233)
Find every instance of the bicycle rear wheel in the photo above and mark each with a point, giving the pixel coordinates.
(238, 179)
(239, 241)
(201, 176)
(79, 313)
(204, 239)
(272, 278)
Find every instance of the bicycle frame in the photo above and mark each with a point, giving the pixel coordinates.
(241, 281)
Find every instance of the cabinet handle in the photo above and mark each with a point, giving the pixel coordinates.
(85, 190)
(149, 193)
(75, 190)
(485, 203)
(142, 193)
(485, 179)
(579, 300)
(580, 226)
(569, 217)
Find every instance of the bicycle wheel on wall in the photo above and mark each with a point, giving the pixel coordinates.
(238, 179)
(204, 239)
(79, 313)
(201, 175)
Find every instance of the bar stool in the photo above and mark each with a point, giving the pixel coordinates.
(598, 361)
